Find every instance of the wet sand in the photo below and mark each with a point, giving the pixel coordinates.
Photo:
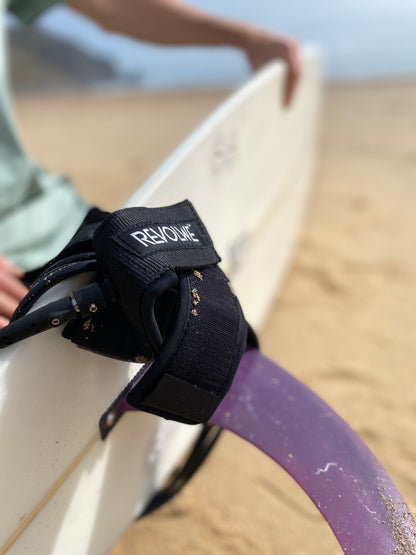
(344, 321)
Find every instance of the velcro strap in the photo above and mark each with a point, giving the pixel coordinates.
(163, 267)
(170, 304)
(197, 363)
(158, 295)
(151, 241)
(142, 251)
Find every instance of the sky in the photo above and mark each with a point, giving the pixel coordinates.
(359, 39)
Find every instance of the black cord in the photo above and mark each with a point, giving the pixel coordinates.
(199, 453)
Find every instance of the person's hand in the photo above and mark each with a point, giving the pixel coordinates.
(173, 22)
(12, 290)
(263, 46)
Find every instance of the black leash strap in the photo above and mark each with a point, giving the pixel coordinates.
(158, 295)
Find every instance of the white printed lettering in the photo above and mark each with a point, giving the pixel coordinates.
(160, 235)
(154, 236)
(191, 235)
(172, 237)
(163, 234)
(141, 237)
(180, 233)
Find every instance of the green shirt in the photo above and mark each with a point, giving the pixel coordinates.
(39, 211)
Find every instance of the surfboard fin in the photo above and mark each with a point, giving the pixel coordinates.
(283, 418)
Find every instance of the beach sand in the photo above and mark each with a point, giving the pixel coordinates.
(344, 321)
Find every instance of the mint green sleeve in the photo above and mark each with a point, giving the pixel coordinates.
(28, 10)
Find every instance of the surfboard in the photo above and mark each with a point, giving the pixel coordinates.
(247, 170)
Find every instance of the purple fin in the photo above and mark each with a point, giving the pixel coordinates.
(274, 411)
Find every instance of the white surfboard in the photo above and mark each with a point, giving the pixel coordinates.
(63, 490)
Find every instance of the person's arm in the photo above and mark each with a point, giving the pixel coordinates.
(172, 22)
(11, 290)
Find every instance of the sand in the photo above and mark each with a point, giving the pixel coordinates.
(344, 321)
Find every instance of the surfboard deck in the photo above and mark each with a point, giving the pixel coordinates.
(247, 170)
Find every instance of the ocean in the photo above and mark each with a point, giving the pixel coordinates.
(359, 40)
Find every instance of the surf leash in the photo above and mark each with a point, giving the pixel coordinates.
(157, 295)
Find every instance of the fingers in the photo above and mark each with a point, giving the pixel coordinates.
(294, 71)
(12, 290)
(7, 305)
(264, 47)
(12, 286)
(10, 297)
(8, 267)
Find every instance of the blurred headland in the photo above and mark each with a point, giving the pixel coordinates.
(41, 62)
